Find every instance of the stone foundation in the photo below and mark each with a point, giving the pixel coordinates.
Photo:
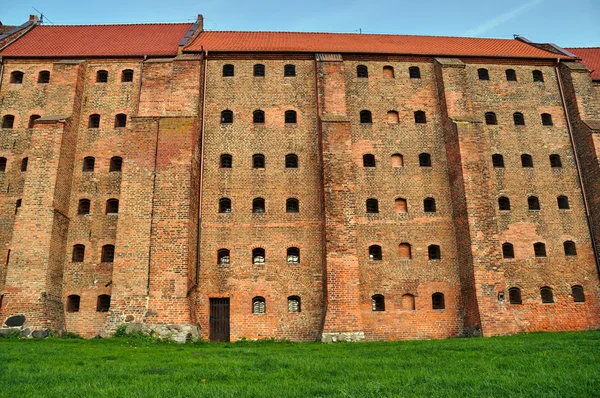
(178, 333)
(350, 337)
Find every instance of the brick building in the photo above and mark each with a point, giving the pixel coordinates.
(296, 185)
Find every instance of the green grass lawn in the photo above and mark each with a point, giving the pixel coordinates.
(539, 364)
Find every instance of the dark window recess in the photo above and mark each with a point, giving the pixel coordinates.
(508, 250)
(103, 303)
(538, 76)
(78, 253)
(120, 120)
(563, 202)
(546, 119)
(375, 253)
(498, 161)
(577, 293)
(116, 163)
(44, 77)
(429, 205)
(223, 257)
(73, 303)
(368, 160)
(32, 120)
(226, 117)
(372, 206)
(546, 294)
(483, 74)
(226, 161)
(101, 76)
(112, 206)
(8, 122)
(425, 160)
(108, 254)
(490, 118)
(224, 205)
(526, 161)
(259, 70)
(292, 206)
(258, 256)
(24, 164)
(18, 205)
(293, 255)
(289, 70)
(84, 207)
(570, 249)
(228, 70)
(127, 76)
(378, 302)
(94, 121)
(434, 252)
(258, 206)
(258, 305)
(503, 203)
(514, 295)
(414, 72)
(290, 117)
(365, 117)
(539, 249)
(362, 71)
(437, 301)
(533, 203)
(519, 119)
(258, 117)
(258, 161)
(555, 161)
(420, 117)
(511, 75)
(16, 77)
(294, 304)
(88, 163)
(2, 165)
(291, 161)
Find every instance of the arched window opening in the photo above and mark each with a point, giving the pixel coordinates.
(490, 118)
(258, 305)
(368, 160)
(290, 117)
(577, 293)
(378, 302)
(414, 72)
(94, 121)
(498, 161)
(429, 205)
(514, 295)
(533, 203)
(362, 71)
(420, 117)
(292, 205)
(437, 301)
(539, 249)
(258, 206)
(116, 164)
(397, 160)
(365, 117)
(78, 253)
(259, 70)
(508, 250)
(404, 251)
(18, 205)
(570, 249)
(258, 117)
(483, 74)
(546, 294)
(112, 206)
(392, 117)
(16, 77)
(84, 207)
(434, 252)
(228, 70)
(408, 302)
(44, 77)
(103, 303)
(108, 254)
(519, 119)
(372, 206)
(555, 161)
(526, 161)
(73, 303)
(538, 76)
(293, 255)
(225, 205)
(226, 117)
(24, 164)
(546, 119)
(511, 75)
(2, 164)
(88, 164)
(294, 304)
(400, 205)
(258, 256)
(258, 161)
(563, 202)
(291, 161)
(120, 120)
(223, 257)
(8, 122)
(388, 72)
(289, 70)
(425, 160)
(226, 161)
(32, 120)
(101, 76)
(127, 75)
(503, 203)
(375, 253)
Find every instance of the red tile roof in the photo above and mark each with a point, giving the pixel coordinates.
(364, 43)
(590, 57)
(99, 41)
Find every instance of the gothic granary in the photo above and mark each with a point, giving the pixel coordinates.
(296, 185)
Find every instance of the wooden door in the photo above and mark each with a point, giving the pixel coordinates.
(219, 319)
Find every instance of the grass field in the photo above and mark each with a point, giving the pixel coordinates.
(539, 364)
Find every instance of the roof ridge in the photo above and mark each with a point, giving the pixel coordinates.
(117, 24)
(584, 48)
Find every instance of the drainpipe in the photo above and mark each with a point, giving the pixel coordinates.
(579, 175)
(137, 107)
(201, 164)
(151, 245)
(1, 71)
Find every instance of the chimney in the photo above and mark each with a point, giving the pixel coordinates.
(33, 18)
(200, 22)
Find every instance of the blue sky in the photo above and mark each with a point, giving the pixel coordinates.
(573, 23)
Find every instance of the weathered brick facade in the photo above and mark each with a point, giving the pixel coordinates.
(189, 232)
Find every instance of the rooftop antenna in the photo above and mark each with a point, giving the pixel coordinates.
(42, 16)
